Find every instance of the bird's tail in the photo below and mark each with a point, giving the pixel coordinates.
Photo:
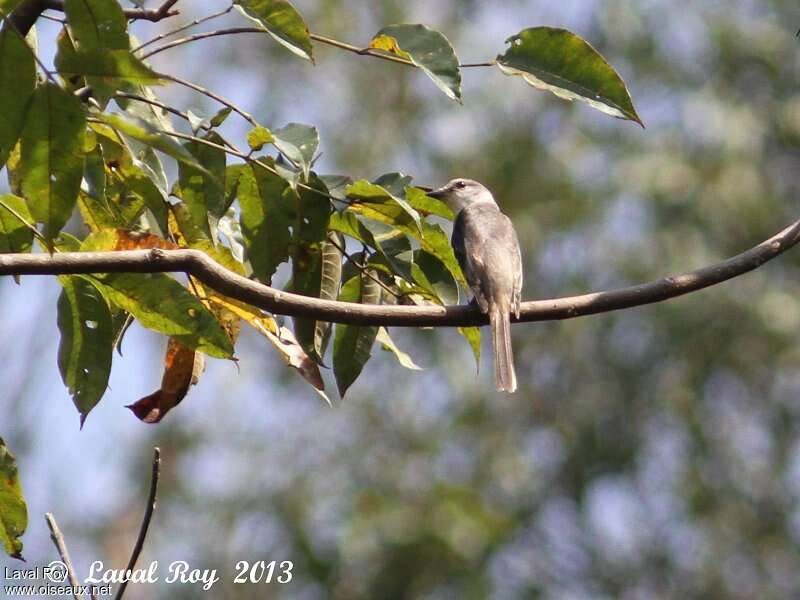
(505, 379)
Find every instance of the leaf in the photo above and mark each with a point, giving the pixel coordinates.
(8, 6)
(473, 337)
(425, 205)
(310, 234)
(97, 24)
(182, 369)
(297, 358)
(201, 190)
(258, 137)
(376, 194)
(283, 23)
(431, 274)
(559, 61)
(51, 160)
(388, 345)
(110, 66)
(87, 342)
(162, 304)
(426, 48)
(13, 510)
(142, 131)
(298, 143)
(352, 345)
(15, 236)
(265, 219)
(331, 278)
(17, 81)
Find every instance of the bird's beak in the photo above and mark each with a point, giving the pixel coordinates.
(438, 194)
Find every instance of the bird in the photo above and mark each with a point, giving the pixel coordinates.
(487, 248)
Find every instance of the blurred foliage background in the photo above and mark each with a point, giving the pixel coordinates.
(651, 453)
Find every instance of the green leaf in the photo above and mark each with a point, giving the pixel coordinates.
(15, 236)
(298, 143)
(388, 345)
(428, 49)
(97, 24)
(377, 195)
(331, 278)
(8, 6)
(17, 81)
(159, 303)
(259, 137)
(265, 218)
(201, 190)
(313, 212)
(51, 161)
(111, 66)
(13, 510)
(87, 342)
(352, 344)
(473, 337)
(142, 131)
(425, 205)
(431, 274)
(283, 23)
(162, 304)
(559, 61)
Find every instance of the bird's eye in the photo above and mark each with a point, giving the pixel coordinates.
(461, 185)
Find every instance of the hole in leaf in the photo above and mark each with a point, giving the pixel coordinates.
(91, 324)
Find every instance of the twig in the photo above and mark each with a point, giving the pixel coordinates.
(61, 546)
(227, 283)
(193, 86)
(375, 53)
(36, 233)
(183, 27)
(145, 14)
(148, 515)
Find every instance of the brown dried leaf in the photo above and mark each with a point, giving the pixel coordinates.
(182, 369)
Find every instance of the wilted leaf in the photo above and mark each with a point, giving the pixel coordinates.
(559, 61)
(51, 160)
(87, 342)
(13, 510)
(352, 345)
(473, 337)
(264, 199)
(388, 344)
(428, 49)
(17, 80)
(258, 137)
(298, 143)
(182, 369)
(15, 236)
(283, 23)
(297, 358)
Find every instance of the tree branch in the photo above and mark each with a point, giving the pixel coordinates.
(199, 265)
(145, 14)
(148, 516)
(61, 546)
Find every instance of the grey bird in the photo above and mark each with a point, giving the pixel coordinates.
(487, 248)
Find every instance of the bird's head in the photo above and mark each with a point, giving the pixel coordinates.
(460, 193)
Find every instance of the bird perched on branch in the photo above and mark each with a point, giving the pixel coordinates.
(487, 248)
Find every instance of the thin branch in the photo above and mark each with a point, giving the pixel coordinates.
(144, 14)
(373, 52)
(200, 265)
(61, 546)
(193, 86)
(36, 233)
(148, 515)
(183, 27)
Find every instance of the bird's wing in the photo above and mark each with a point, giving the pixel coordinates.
(516, 259)
(466, 258)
